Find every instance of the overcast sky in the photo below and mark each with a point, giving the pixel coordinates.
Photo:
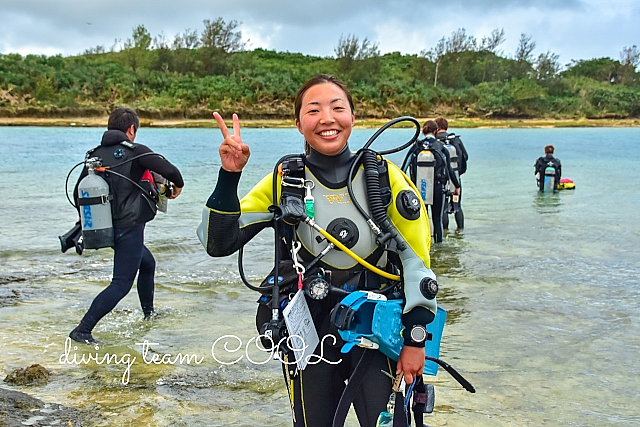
(573, 29)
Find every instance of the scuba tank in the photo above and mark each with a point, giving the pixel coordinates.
(453, 155)
(95, 208)
(425, 175)
(452, 200)
(549, 179)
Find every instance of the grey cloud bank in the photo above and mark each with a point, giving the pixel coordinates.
(574, 29)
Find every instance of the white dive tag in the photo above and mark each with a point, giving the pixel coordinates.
(303, 337)
(375, 296)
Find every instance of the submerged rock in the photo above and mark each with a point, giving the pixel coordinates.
(18, 409)
(8, 294)
(34, 374)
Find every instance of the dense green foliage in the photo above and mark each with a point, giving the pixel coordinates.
(197, 75)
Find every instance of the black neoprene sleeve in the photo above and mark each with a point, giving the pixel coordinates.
(225, 196)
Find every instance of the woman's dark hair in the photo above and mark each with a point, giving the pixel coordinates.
(549, 149)
(122, 118)
(443, 124)
(429, 127)
(316, 80)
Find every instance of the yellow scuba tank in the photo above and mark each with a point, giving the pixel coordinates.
(94, 201)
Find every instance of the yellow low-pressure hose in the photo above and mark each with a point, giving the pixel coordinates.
(360, 261)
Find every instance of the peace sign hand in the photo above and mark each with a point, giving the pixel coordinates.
(234, 154)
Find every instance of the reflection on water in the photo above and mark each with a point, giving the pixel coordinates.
(445, 256)
(455, 303)
(547, 203)
(445, 262)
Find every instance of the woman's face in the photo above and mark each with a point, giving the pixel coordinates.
(326, 118)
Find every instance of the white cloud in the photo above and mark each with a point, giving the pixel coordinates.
(574, 29)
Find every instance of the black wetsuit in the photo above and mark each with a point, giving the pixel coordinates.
(130, 215)
(540, 166)
(442, 173)
(462, 168)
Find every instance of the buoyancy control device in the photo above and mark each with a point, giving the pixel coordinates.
(294, 189)
(94, 200)
(369, 320)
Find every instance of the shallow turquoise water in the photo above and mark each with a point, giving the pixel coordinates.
(542, 290)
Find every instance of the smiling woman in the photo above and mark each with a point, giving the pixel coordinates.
(311, 194)
(325, 114)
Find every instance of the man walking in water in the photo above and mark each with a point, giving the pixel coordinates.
(131, 210)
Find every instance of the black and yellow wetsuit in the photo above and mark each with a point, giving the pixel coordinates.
(229, 223)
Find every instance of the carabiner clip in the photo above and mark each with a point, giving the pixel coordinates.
(295, 247)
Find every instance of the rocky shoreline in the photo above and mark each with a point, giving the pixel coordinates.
(18, 409)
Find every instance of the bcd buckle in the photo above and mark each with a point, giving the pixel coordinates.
(290, 181)
(342, 316)
(367, 343)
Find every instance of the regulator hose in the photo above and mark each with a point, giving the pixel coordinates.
(66, 182)
(372, 180)
(358, 259)
(380, 223)
(275, 288)
(388, 125)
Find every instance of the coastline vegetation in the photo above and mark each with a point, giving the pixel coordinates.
(180, 83)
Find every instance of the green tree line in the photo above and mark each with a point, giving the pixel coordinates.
(211, 70)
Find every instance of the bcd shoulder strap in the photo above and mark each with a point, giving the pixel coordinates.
(129, 144)
(293, 175)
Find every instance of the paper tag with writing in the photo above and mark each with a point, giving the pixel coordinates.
(303, 337)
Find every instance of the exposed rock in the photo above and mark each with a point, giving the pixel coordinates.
(34, 374)
(18, 409)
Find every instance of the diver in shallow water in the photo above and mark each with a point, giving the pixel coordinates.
(130, 212)
(436, 173)
(324, 115)
(548, 161)
(453, 203)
